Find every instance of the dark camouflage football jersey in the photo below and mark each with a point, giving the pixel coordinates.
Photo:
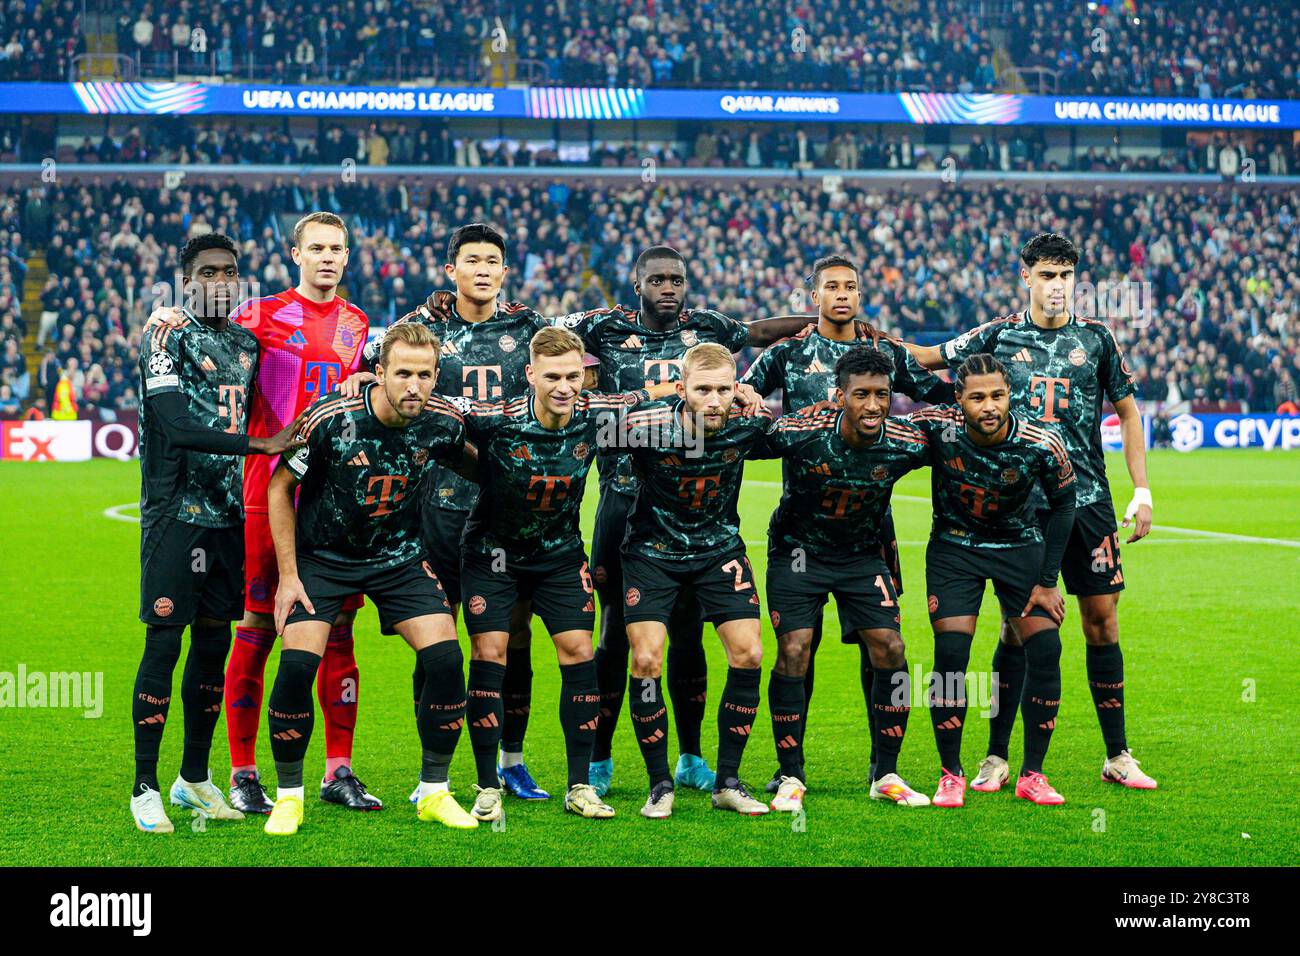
(481, 361)
(982, 494)
(633, 356)
(834, 496)
(533, 477)
(214, 370)
(358, 502)
(686, 499)
(1059, 376)
(803, 368)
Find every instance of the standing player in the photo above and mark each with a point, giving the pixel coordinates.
(684, 536)
(825, 538)
(356, 529)
(522, 542)
(802, 368)
(641, 349)
(193, 426)
(484, 355)
(985, 463)
(311, 339)
(1062, 367)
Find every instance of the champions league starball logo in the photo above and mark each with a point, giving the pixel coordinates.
(1186, 433)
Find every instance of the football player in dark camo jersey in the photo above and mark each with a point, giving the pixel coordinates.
(1063, 367)
(193, 432)
(802, 368)
(356, 529)
(641, 348)
(985, 465)
(684, 535)
(826, 538)
(522, 542)
(484, 354)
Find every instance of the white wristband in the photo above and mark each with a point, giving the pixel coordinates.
(1142, 496)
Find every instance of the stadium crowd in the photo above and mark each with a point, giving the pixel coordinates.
(1162, 48)
(1201, 287)
(172, 141)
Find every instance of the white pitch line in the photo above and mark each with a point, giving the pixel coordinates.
(1196, 532)
(115, 512)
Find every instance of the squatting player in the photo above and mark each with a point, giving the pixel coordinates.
(522, 542)
(826, 537)
(484, 355)
(311, 339)
(193, 426)
(985, 462)
(357, 530)
(684, 536)
(802, 368)
(1062, 367)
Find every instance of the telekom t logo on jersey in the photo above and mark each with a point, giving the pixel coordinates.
(322, 377)
(547, 491)
(658, 371)
(230, 402)
(695, 490)
(392, 489)
(841, 501)
(1047, 400)
(478, 380)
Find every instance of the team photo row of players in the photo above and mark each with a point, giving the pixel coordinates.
(443, 465)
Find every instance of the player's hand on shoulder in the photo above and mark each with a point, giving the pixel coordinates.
(806, 331)
(748, 399)
(440, 304)
(816, 408)
(1049, 599)
(289, 593)
(284, 442)
(351, 386)
(167, 315)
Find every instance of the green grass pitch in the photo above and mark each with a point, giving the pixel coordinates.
(1208, 627)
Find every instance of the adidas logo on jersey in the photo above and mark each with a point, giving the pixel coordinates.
(298, 338)
(632, 342)
(208, 365)
(1022, 356)
(956, 464)
(359, 459)
(817, 366)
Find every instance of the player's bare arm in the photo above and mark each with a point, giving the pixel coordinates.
(1138, 512)
(927, 356)
(284, 527)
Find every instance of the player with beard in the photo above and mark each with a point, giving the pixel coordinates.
(1062, 368)
(639, 349)
(985, 464)
(484, 357)
(356, 529)
(803, 369)
(683, 535)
